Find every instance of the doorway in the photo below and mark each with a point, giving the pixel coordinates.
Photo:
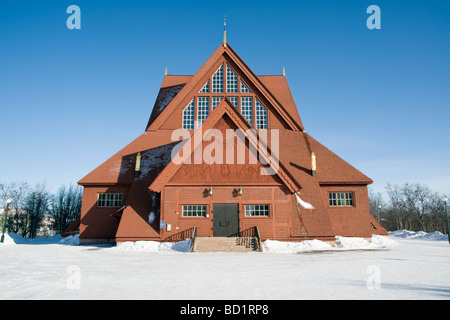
(225, 219)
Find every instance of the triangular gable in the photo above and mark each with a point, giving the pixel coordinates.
(224, 107)
(196, 83)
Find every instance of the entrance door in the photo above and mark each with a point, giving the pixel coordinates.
(225, 219)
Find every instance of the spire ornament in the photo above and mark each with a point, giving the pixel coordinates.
(225, 31)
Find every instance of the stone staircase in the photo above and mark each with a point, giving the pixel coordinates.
(225, 244)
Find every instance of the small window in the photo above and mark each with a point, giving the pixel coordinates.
(194, 210)
(257, 210)
(340, 199)
(109, 200)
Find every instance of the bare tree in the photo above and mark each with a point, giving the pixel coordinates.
(376, 205)
(37, 205)
(413, 207)
(17, 216)
(65, 207)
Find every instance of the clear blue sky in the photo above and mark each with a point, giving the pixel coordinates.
(380, 99)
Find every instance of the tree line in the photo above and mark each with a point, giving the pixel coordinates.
(33, 211)
(410, 206)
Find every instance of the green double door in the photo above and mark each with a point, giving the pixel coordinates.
(225, 219)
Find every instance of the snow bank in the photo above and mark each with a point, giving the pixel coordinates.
(73, 240)
(341, 243)
(275, 246)
(154, 246)
(12, 238)
(377, 242)
(419, 235)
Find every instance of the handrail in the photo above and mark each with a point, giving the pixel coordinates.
(246, 236)
(258, 237)
(194, 236)
(182, 235)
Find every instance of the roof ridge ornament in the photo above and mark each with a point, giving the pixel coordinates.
(225, 31)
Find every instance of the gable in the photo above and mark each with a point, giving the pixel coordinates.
(222, 171)
(239, 84)
(221, 116)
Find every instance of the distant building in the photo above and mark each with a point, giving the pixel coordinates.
(141, 193)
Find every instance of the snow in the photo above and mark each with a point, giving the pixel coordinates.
(407, 265)
(154, 246)
(419, 235)
(304, 204)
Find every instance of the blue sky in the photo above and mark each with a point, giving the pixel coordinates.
(380, 99)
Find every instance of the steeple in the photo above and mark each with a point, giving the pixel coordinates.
(225, 31)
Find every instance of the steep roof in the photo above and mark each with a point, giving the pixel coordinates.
(155, 148)
(191, 86)
(296, 149)
(155, 144)
(277, 85)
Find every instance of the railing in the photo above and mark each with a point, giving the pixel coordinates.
(249, 238)
(183, 235)
(194, 236)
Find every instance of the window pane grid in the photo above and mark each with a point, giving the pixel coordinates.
(244, 88)
(261, 115)
(202, 109)
(215, 101)
(340, 199)
(205, 88)
(257, 210)
(247, 109)
(188, 115)
(234, 101)
(109, 200)
(194, 210)
(217, 80)
(232, 80)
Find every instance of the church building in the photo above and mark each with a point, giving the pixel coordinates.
(225, 151)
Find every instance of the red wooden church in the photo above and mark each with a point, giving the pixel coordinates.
(144, 193)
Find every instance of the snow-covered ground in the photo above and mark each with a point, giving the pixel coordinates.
(407, 265)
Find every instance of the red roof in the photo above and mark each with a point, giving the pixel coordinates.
(295, 144)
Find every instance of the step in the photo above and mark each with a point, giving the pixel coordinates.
(220, 244)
